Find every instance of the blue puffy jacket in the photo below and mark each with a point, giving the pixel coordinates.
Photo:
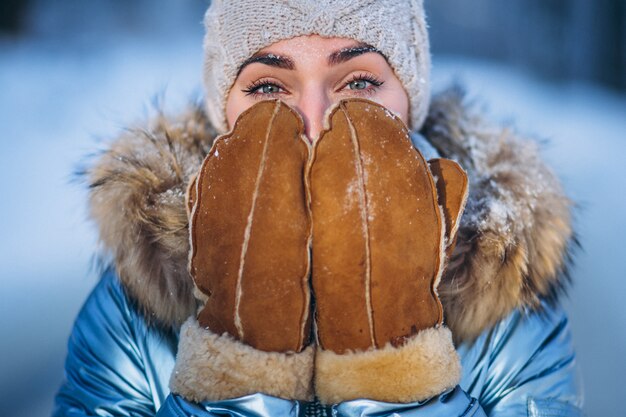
(117, 365)
(500, 292)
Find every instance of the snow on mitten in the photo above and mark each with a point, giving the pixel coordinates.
(379, 244)
(250, 232)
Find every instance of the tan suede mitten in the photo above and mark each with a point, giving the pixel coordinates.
(381, 226)
(250, 232)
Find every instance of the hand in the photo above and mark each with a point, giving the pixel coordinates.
(379, 245)
(250, 230)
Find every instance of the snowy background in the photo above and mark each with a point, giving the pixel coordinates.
(75, 75)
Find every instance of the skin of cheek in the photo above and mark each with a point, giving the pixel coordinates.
(234, 107)
(396, 101)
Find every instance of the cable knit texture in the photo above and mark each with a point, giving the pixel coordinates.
(396, 28)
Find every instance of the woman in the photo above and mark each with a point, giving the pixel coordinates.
(128, 355)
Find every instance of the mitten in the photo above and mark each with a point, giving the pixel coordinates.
(250, 232)
(382, 224)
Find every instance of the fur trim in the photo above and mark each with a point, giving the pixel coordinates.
(511, 246)
(137, 199)
(513, 239)
(210, 367)
(424, 367)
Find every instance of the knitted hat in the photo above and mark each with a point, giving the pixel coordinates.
(237, 29)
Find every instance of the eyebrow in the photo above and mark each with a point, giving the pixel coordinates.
(336, 58)
(347, 54)
(272, 60)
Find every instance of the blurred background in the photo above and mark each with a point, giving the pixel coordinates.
(74, 73)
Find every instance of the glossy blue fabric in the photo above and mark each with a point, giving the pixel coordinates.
(117, 365)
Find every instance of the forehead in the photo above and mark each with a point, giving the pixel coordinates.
(310, 43)
(310, 48)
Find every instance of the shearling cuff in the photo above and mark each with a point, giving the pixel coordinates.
(211, 367)
(424, 367)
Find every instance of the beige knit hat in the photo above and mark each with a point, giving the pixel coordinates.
(237, 29)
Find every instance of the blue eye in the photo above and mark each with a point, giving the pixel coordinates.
(358, 85)
(269, 89)
(264, 88)
(363, 83)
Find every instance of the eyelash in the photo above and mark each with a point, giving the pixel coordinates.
(370, 78)
(254, 87)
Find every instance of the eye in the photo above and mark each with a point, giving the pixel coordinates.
(268, 89)
(363, 84)
(358, 84)
(264, 88)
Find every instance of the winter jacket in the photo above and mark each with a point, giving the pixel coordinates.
(500, 291)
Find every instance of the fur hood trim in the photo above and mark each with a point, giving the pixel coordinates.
(512, 245)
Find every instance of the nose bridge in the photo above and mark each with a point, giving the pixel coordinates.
(312, 105)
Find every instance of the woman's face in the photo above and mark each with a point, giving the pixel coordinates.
(311, 73)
